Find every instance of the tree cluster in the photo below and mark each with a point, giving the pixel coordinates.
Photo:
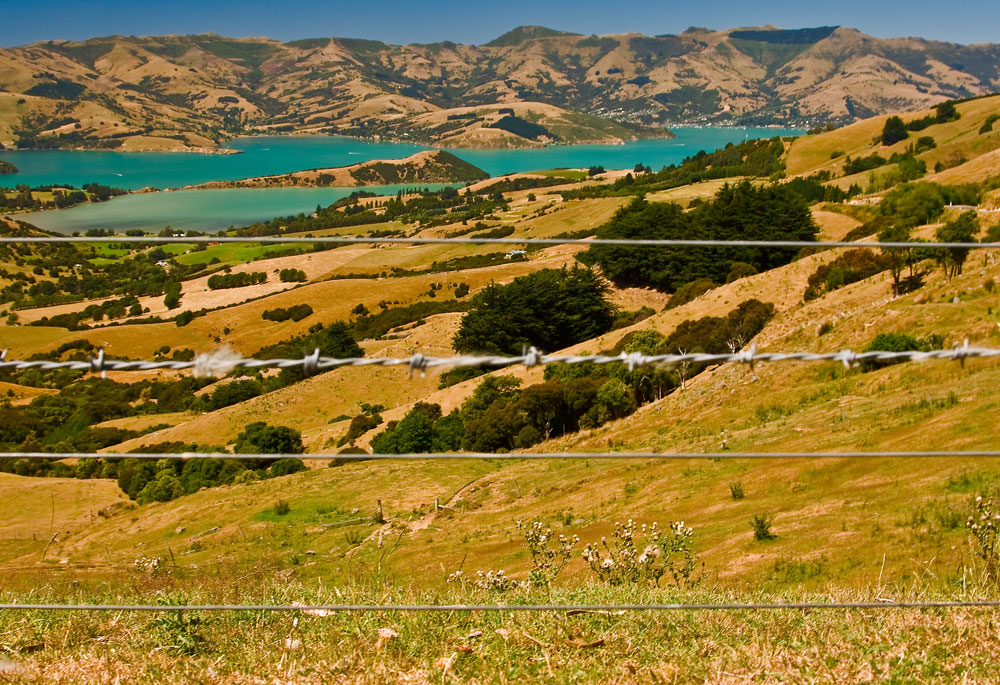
(548, 309)
(236, 280)
(737, 212)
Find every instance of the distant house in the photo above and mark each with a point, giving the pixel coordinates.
(162, 263)
(515, 253)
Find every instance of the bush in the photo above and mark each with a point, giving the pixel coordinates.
(281, 507)
(643, 556)
(296, 313)
(741, 211)
(292, 276)
(692, 291)
(736, 490)
(761, 525)
(237, 280)
(850, 267)
(549, 309)
(893, 131)
(285, 467)
(740, 270)
(862, 164)
(988, 124)
(234, 393)
(897, 342)
(260, 438)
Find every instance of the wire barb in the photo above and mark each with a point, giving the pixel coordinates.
(224, 360)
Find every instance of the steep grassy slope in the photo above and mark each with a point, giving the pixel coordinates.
(955, 141)
(887, 518)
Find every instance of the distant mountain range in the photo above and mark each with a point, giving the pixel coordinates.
(531, 86)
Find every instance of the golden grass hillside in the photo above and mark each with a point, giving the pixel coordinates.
(886, 518)
(955, 140)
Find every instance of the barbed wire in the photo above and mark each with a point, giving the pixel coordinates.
(323, 609)
(224, 360)
(507, 456)
(468, 240)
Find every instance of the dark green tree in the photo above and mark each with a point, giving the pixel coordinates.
(260, 438)
(549, 309)
(961, 230)
(893, 131)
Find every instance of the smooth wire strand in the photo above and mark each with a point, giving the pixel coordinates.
(465, 240)
(333, 608)
(225, 360)
(510, 456)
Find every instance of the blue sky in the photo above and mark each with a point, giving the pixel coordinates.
(472, 21)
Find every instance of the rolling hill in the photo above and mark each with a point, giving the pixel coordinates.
(873, 530)
(531, 86)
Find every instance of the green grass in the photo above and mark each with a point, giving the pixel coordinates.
(231, 253)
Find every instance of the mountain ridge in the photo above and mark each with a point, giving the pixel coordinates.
(195, 91)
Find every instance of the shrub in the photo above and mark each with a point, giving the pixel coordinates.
(281, 507)
(234, 393)
(961, 230)
(643, 556)
(850, 267)
(292, 276)
(260, 438)
(740, 270)
(862, 164)
(897, 342)
(549, 309)
(736, 490)
(761, 525)
(237, 280)
(893, 131)
(946, 112)
(740, 211)
(296, 313)
(692, 291)
(549, 555)
(285, 467)
(985, 534)
(988, 124)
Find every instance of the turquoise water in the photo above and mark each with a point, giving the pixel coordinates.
(202, 210)
(208, 210)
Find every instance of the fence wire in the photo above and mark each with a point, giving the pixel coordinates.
(326, 609)
(224, 360)
(509, 456)
(467, 240)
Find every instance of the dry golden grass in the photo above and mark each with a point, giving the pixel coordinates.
(36, 511)
(955, 140)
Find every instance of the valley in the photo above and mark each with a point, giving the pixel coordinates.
(342, 529)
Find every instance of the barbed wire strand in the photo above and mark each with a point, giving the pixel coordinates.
(331, 608)
(224, 360)
(466, 240)
(510, 456)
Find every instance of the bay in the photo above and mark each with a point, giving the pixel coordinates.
(259, 156)
(201, 210)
